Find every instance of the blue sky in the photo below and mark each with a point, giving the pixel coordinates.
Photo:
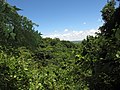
(64, 19)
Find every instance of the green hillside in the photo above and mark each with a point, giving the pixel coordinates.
(76, 41)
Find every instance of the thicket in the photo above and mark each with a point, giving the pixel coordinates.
(30, 62)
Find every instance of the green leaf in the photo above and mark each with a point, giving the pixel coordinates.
(2, 8)
(13, 35)
(117, 34)
(18, 9)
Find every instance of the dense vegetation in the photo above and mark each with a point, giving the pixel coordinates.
(30, 62)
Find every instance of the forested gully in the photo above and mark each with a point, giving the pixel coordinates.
(30, 62)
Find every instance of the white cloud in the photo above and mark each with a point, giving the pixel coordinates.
(66, 30)
(84, 23)
(73, 35)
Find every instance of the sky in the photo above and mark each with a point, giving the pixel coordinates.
(65, 19)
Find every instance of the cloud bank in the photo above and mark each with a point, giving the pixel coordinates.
(72, 35)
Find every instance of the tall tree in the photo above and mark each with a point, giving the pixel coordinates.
(16, 30)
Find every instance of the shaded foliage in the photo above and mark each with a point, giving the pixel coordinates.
(100, 54)
(30, 62)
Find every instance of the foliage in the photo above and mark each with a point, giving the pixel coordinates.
(16, 30)
(100, 53)
(30, 62)
(16, 73)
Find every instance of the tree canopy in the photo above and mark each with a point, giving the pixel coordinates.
(30, 62)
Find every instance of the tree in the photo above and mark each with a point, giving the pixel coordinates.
(16, 30)
(100, 54)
